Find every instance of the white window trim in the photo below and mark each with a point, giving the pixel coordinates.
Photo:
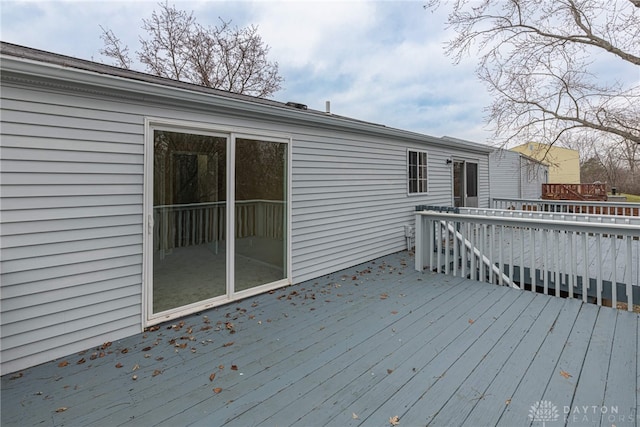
(426, 178)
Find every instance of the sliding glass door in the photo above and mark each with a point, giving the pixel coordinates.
(206, 188)
(189, 210)
(261, 213)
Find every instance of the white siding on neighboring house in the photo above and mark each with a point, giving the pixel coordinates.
(515, 176)
(72, 163)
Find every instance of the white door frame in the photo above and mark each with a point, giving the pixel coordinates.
(231, 134)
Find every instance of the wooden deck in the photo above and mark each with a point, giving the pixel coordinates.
(358, 347)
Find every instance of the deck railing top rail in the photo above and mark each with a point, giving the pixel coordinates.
(558, 216)
(537, 223)
(568, 206)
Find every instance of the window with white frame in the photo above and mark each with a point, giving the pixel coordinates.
(417, 168)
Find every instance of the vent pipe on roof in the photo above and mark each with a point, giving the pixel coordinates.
(327, 107)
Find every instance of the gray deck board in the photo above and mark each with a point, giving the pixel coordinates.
(352, 348)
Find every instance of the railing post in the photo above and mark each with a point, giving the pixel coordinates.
(419, 244)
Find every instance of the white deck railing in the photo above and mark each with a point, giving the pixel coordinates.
(562, 255)
(198, 223)
(569, 206)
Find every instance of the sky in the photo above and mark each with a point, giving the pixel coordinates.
(381, 62)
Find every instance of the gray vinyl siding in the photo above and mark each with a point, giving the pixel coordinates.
(350, 200)
(506, 174)
(515, 176)
(72, 167)
(71, 251)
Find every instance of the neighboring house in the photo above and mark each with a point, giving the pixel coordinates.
(564, 163)
(514, 175)
(130, 199)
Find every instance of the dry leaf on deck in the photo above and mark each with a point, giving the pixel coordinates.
(234, 367)
(217, 390)
(228, 344)
(394, 421)
(354, 416)
(156, 372)
(471, 321)
(62, 409)
(118, 365)
(212, 376)
(63, 364)
(565, 374)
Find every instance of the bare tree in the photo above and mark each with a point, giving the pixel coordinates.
(222, 57)
(542, 63)
(113, 48)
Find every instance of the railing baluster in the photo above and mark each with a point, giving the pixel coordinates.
(599, 267)
(614, 279)
(446, 249)
(545, 262)
(630, 273)
(572, 276)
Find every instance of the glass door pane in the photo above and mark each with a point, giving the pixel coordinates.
(261, 213)
(189, 209)
(458, 184)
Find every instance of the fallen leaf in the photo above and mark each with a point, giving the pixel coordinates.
(159, 358)
(136, 367)
(134, 377)
(221, 367)
(394, 421)
(93, 356)
(156, 372)
(62, 409)
(384, 296)
(119, 365)
(81, 361)
(389, 371)
(394, 312)
(146, 349)
(565, 374)
(125, 351)
(16, 376)
(63, 364)
(212, 376)
(354, 416)
(228, 344)
(508, 401)
(105, 345)
(217, 390)
(234, 367)
(471, 321)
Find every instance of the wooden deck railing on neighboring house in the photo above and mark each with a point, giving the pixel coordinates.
(595, 259)
(177, 226)
(568, 206)
(574, 192)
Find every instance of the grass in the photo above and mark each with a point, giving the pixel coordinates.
(632, 198)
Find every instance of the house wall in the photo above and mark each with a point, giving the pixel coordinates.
(72, 207)
(515, 176)
(564, 163)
